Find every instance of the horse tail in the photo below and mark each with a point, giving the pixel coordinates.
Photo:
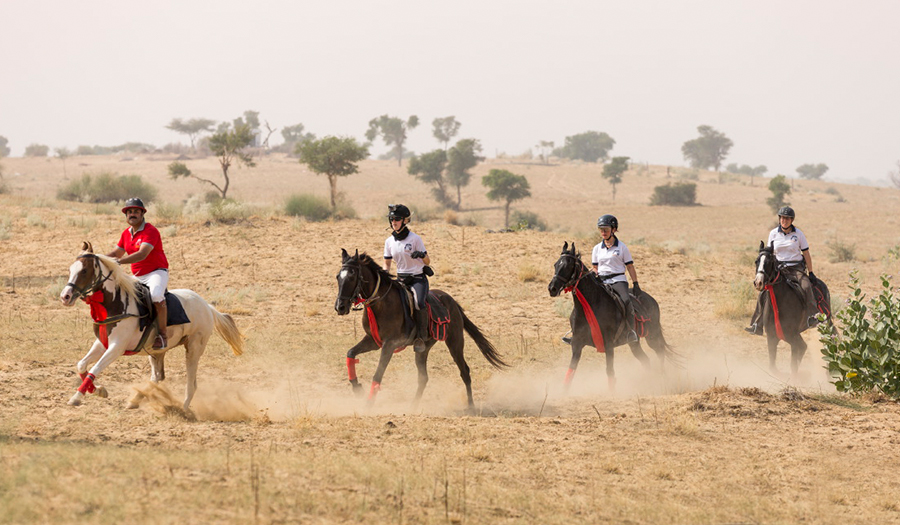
(228, 330)
(487, 348)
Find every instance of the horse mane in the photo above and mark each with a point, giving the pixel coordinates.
(366, 259)
(120, 277)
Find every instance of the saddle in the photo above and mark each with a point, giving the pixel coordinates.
(640, 315)
(820, 293)
(438, 315)
(176, 314)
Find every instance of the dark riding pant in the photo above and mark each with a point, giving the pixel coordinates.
(419, 285)
(621, 288)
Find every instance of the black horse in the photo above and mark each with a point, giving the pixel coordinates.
(362, 280)
(784, 315)
(571, 274)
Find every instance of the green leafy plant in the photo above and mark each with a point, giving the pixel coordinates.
(106, 187)
(864, 354)
(678, 194)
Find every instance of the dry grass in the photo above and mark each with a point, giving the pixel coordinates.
(280, 437)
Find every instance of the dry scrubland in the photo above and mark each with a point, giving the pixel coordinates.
(280, 437)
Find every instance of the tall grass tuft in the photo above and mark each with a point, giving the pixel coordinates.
(106, 187)
(841, 252)
(737, 302)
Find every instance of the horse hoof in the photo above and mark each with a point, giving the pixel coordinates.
(101, 392)
(76, 399)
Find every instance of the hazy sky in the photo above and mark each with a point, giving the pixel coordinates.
(790, 82)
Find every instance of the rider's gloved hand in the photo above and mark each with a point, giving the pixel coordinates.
(417, 254)
(635, 288)
(812, 277)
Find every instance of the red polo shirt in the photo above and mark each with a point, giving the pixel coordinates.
(132, 243)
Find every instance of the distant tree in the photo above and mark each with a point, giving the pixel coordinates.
(192, 127)
(545, 146)
(812, 171)
(63, 154)
(294, 135)
(614, 170)
(589, 146)
(707, 151)
(506, 186)
(393, 132)
(779, 188)
(678, 194)
(445, 129)
(230, 146)
(460, 159)
(250, 119)
(745, 169)
(429, 168)
(36, 150)
(895, 175)
(4, 150)
(333, 156)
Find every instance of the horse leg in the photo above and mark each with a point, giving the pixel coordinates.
(456, 344)
(772, 340)
(81, 367)
(422, 369)
(798, 349)
(87, 385)
(658, 344)
(639, 353)
(366, 344)
(387, 351)
(194, 349)
(577, 347)
(610, 369)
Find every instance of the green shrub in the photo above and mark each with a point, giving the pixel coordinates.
(678, 194)
(527, 220)
(106, 187)
(229, 211)
(37, 150)
(863, 355)
(310, 207)
(841, 252)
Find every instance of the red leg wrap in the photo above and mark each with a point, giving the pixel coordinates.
(374, 390)
(351, 368)
(87, 386)
(570, 373)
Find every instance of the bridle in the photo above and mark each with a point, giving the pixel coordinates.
(573, 279)
(81, 293)
(767, 267)
(356, 297)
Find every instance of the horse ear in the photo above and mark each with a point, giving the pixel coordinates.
(86, 247)
(761, 245)
(344, 255)
(356, 256)
(565, 246)
(573, 248)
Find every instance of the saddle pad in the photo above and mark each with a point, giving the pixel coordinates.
(175, 310)
(823, 297)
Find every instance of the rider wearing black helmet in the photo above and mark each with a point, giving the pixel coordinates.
(611, 259)
(408, 250)
(792, 254)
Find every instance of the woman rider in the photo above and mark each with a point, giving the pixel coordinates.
(792, 255)
(611, 258)
(408, 251)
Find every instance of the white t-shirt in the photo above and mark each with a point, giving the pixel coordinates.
(399, 252)
(789, 246)
(611, 260)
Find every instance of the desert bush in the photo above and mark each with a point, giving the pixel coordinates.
(840, 251)
(679, 194)
(310, 207)
(779, 188)
(528, 273)
(344, 210)
(689, 174)
(426, 214)
(166, 212)
(37, 150)
(737, 302)
(831, 190)
(863, 353)
(527, 220)
(892, 257)
(106, 187)
(451, 217)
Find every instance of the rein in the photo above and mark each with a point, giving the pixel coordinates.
(94, 296)
(770, 288)
(357, 299)
(82, 293)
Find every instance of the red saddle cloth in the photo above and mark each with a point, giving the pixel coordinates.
(438, 318)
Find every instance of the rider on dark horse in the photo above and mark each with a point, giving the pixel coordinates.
(408, 251)
(141, 245)
(792, 255)
(611, 258)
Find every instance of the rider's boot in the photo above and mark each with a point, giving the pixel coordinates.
(421, 329)
(632, 336)
(754, 329)
(162, 313)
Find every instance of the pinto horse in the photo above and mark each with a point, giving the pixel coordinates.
(784, 316)
(361, 280)
(597, 318)
(113, 296)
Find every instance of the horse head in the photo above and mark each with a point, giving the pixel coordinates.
(765, 265)
(84, 276)
(567, 270)
(350, 281)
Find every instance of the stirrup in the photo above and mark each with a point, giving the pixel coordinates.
(812, 322)
(753, 329)
(632, 337)
(567, 338)
(419, 345)
(160, 342)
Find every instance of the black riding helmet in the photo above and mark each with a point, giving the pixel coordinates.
(786, 211)
(134, 202)
(608, 220)
(398, 211)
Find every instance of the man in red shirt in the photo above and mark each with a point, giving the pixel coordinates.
(143, 245)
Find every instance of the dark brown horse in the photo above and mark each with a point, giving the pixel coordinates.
(571, 274)
(361, 280)
(784, 316)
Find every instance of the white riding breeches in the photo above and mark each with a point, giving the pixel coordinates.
(157, 281)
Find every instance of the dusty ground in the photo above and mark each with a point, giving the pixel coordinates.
(280, 437)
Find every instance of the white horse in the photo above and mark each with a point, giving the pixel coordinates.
(112, 295)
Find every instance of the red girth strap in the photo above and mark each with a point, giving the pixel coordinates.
(596, 335)
(778, 330)
(98, 313)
